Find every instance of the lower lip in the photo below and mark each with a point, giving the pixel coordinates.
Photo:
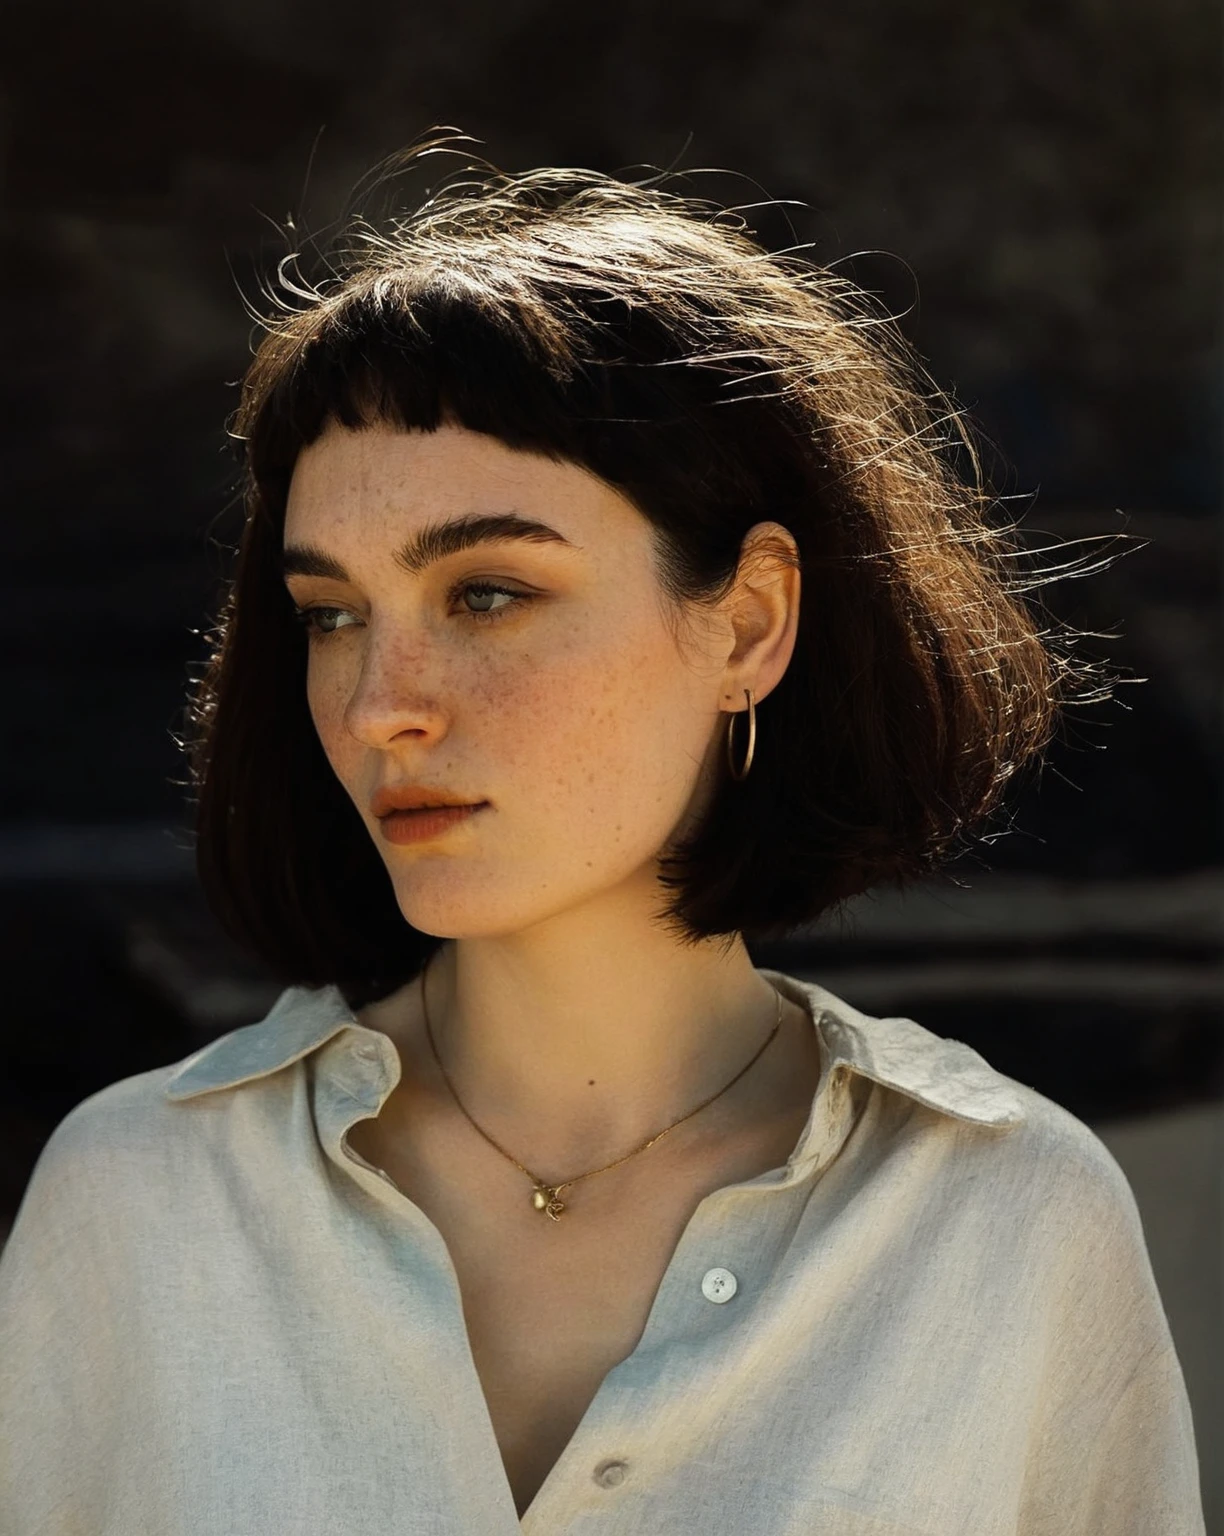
(420, 826)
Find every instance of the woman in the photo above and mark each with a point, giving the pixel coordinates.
(607, 597)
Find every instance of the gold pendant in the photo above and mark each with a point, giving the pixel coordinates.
(545, 1199)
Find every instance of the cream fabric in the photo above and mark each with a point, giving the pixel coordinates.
(215, 1321)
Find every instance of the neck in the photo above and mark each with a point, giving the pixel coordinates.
(578, 1048)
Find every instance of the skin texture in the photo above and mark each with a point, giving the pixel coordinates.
(572, 1025)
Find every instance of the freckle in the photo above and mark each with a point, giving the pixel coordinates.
(590, 1082)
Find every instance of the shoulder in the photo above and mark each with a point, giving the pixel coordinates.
(120, 1165)
(1008, 1177)
(146, 1134)
(1039, 1186)
(148, 1140)
(1061, 1175)
(104, 1176)
(990, 1132)
(119, 1128)
(1048, 1161)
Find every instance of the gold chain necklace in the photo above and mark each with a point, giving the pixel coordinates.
(544, 1197)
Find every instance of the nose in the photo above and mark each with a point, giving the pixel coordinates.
(389, 700)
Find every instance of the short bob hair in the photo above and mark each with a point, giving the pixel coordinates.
(648, 337)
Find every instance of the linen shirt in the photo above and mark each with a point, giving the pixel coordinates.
(938, 1318)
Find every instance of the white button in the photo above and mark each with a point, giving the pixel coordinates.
(367, 1050)
(718, 1285)
(611, 1474)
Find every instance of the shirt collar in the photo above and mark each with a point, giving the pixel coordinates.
(897, 1053)
(945, 1075)
(299, 1022)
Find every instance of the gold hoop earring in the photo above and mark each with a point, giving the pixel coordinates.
(742, 773)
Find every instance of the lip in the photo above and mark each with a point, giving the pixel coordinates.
(415, 797)
(424, 824)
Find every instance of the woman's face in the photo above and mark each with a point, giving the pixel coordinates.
(541, 677)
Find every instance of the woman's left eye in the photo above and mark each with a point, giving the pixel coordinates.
(486, 589)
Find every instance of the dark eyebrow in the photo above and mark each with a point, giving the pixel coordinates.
(432, 543)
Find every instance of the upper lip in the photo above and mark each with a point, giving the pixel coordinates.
(414, 797)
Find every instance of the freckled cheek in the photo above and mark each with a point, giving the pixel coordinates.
(565, 727)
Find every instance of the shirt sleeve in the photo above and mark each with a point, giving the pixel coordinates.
(1112, 1452)
(62, 1387)
(1142, 1473)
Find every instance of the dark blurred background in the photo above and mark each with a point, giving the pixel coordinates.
(1037, 188)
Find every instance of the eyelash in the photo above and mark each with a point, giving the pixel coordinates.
(308, 620)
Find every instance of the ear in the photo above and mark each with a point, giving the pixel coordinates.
(763, 608)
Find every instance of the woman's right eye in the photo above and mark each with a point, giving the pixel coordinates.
(318, 622)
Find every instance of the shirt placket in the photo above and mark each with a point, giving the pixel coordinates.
(718, 1273)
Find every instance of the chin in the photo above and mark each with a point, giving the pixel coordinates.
(458, 901)
(456, 909)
